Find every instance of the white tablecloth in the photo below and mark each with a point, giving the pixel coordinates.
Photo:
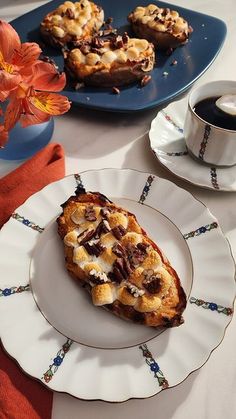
(91, 141)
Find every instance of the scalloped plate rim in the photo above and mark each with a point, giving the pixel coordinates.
(224, 328)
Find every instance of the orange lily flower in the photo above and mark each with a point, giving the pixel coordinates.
(27, 82)
(16, 59)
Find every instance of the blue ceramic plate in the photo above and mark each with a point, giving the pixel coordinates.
(193, 58)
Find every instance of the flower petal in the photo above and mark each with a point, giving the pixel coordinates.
(47, 78)
(50, 103)
(35, 117)
(12, 114)
(9, 40)
(9, 81)
(4, 95)
(3, 136)
(26, 55)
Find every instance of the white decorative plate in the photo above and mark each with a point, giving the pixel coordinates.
(168, 144)
(49, 325)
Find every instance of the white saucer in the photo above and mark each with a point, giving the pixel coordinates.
(167, 142)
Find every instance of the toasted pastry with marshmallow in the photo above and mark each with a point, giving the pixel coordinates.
(161, 26)
(71, 22)
(117, 61)
(109, 253)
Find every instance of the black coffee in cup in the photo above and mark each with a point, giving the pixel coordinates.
(209, 112)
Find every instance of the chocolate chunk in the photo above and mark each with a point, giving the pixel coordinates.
(142, 246)
(127, 266)
(95, 51)
(117, 276)
(118, 42)
(135, 255)
(121, 270)
(95, 279)
(100, 247)
(105, 211)
(88, 236)
(97, 42)
(94, 249)
(125, 38)
(153, 284)
(118, 231)
(103, 227)
(119, 264)
(89, 247)
(90, 214)
(118, 250)
(122, 230)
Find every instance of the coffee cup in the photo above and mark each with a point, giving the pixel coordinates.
(206, 141)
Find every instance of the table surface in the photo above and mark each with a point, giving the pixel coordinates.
(92, 140)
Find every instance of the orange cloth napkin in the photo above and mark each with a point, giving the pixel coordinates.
(21, 397)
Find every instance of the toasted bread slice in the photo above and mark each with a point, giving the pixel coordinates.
(161, 26)
(71, 22)
(108, 252)
(110, 62)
